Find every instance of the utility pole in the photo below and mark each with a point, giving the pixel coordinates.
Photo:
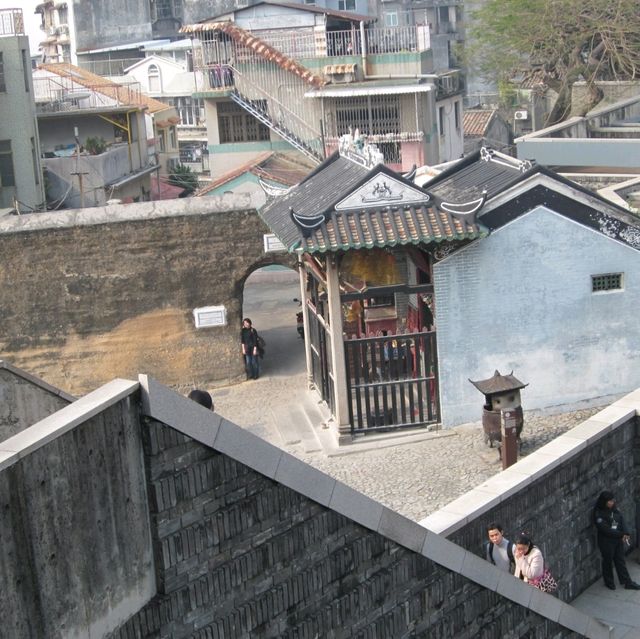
(80, 174)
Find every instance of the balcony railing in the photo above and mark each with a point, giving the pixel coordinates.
(53, 95)
(11, 22)
(379, 40)
(107, 67)
(307, 44)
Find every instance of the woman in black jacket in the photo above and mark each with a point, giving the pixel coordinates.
(613, 538)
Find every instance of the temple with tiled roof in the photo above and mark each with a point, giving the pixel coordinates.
(366, 239)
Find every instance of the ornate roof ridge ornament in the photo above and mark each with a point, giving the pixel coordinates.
(466, 211)
(273, 191)
(411, 174)
(525, 165)
(307, 224)
(486, 154)
(491, 155)
(354, 147)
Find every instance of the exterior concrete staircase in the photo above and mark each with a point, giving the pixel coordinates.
(313, 152)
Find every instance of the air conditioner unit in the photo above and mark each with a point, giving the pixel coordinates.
(521, 115)
(341, 73)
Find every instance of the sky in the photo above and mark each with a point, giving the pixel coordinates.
(31, 19)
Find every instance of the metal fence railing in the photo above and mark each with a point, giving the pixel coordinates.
(64, 94)
(393, 381)
(107, 67)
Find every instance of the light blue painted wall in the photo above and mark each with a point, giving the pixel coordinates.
(521, 300)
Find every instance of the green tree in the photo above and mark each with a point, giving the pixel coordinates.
(183, 177)
(566, 40)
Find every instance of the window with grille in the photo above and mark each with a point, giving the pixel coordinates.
(7, 175)
(236, 125)
(346, 5)
(606, 282)
(191, 110)
(372, 115)
(162, 9)
(391, 151)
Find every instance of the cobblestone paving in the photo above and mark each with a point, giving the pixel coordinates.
(418, 479)
(414, 479)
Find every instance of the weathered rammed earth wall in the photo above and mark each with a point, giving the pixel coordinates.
(89, 295)
(180, 524)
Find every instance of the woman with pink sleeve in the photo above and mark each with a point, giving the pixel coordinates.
(528, 558)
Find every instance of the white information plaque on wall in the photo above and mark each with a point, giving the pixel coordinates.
(210, 316)
(272, 244)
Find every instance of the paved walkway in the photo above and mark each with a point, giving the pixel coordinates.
(618, 608)
(414, 479)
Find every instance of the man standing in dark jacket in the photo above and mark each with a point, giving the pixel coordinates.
(249, 341)
(613, 538)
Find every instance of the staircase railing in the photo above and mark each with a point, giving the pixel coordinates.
(282, 120)
(255, 79)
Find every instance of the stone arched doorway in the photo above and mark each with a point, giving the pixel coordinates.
(268, 299)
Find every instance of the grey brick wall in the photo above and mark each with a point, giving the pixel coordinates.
(238, 555)
(556, 509)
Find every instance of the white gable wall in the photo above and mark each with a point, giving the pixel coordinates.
(167, 69)
(521, 300)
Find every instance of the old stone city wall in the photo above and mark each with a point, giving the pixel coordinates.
(200, 540)
(86, 296)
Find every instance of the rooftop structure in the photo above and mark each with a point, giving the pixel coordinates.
(339, 71)
(128, 135)
(606, 140)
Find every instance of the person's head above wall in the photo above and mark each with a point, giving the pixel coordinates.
(201, 397)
